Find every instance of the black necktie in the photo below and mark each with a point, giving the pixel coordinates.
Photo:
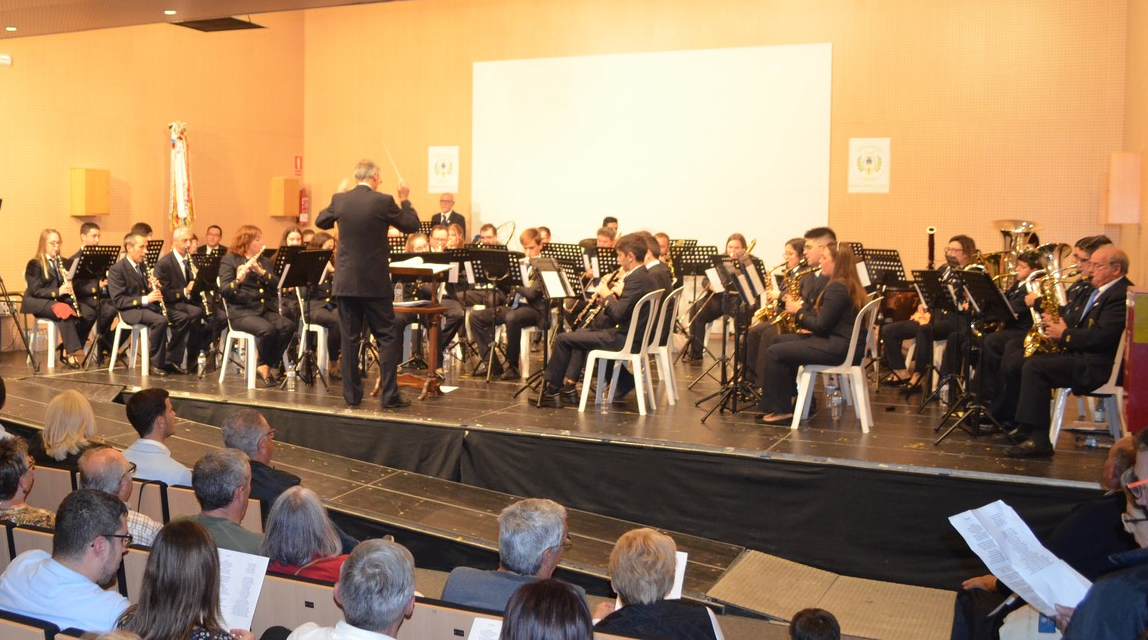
(186, 270)
(143, 273)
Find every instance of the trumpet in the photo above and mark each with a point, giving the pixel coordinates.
(153, 282)
(64, 279)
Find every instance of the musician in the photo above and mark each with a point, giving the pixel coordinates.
(544, 235)
(417, 243)
(212, 237)
(48, 296)
(363, 288)
(247, 285)
(439, 238)
(662, 279)
(487, 235)
(995, 344)
(964, 250)
(455, 237)
(136, 295)
(1002, 397)
(452, 317)
(1088, 357)
(761, 334)
(528, 308)
(184, 304)
(830, 320)
(713, 305)
(308, 235)
(322, 308)
(447, 215)
(93, 294)
(612, 223)
(292, 237)
(288, 303)
(619, 300)
(142, 229)
(666, 258)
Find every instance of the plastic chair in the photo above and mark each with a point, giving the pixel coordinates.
(53, 336)
(662, 348)
(230, 337)
(321, 355)
(854, 373)
(638, 360)
(1111, 396)
(139, 338)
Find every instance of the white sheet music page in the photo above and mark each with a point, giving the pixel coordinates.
(240, 581)
(1013, 554)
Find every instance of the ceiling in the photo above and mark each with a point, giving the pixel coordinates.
(41, 17)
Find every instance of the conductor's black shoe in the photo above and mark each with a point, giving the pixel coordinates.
(1030, 450)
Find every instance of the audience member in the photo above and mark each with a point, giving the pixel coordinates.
(64, 588)
(642, 573)
(532, 534)
(300, 539)
(814, 624)
(106, 469)
(547, 610)
(151, 414)
(179, 595)
(17, 474)
(222, 483)
(69, 426)
(4, 435)
(376, 590)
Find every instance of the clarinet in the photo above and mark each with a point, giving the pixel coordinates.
(64, 278)
(154, 283)
(207, 312)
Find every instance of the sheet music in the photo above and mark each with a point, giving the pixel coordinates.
(715, 280)
(469, 266)
(552, 281)
(594, 267)
(863, 273)
(413, 261)
(240, 581)
(485, 629)
(1013, 554)
(453, 277)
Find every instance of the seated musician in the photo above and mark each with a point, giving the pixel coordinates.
(919, 327)
(528, 308)
(663, 279)
(247, 286)
(417, 243)
(618, 301)
(830, 322)
(762, 332)
(138, 297)
(213, 318)
(544, 234)
(184, 304)
(439, 238)
(321, 306)
(455, 236)
(487, 235)
(453, 316)
(93, 294)
(1011, 336)
(48, 295)
(713, 305)
(288, 303)
(665, 257)
(1087, 356)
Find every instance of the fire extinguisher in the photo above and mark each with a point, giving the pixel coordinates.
(304, 206)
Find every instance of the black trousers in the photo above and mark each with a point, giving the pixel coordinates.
(105, 314)
(788, 352)
(1040, 375)
(378, 314)
(894, 333)
(990, 386)
(73, 331)
(329, 320)
(272, 334)
(570, 351)
(758, 340)
(156, 332)
(483, 323)
(188, 334)
(713, 309)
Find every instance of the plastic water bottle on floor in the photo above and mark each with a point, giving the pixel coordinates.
(398, 292)
(835, 401)
(201, 365)
(291, 379)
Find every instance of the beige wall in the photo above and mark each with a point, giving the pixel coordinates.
(102, 99)
(1136, 130)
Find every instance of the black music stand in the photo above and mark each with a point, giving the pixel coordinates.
(987, 304)
(397, 244)
(556, 285)
(744, 278)
(94, 262)
(152, 254)
(207, 284)
(694, 259)
(499, 269)
(304, 269)
(425, 227)
(885, 271)
(937, 298)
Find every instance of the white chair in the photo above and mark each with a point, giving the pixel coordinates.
(1111, 396)
(527, 336)
(639, 360)
(230, 337)
(53, 337)
(847, 370)
(140, 343)
(938, 354)
(322, 357)
(662, 349)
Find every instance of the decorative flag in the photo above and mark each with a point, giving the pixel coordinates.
(182, 208)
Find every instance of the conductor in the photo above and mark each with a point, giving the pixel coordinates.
(363, 286)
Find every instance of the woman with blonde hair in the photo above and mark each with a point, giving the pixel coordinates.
(48, 295)
(69, 426)
(300, 539)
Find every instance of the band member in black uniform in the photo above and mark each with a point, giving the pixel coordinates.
(761, 334)
(527, 308)
(211, 244)
(247, 285)
(321, 307)
(1011, 336)
(137, 297)
(714, 305)
(363, 288)
(184, 304)
(93, 294)
(829, 319)
(50, 296)
(662, 278)
(288, 303)
(570, 349)
(1088, 356)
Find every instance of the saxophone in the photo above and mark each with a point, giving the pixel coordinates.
(1035, 341)
(784, 321)
(769, 312)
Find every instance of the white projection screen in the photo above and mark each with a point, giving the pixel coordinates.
(697, 144)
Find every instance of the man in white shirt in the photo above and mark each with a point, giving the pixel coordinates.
(106, 469)
(376, 589)
(151, 414)
(63, 588)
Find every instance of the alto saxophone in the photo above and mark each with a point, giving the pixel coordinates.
(785, 321)
(769, 312)
(1036, 341)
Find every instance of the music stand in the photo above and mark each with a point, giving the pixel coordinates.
(885, 271)
(555, 286)
(499, 269)
(425, 227)
(152, 255)
(937, 299)
(602, 262)
(397, 244)
(304, 269)
(569, 259)
(736, 276)
(94, 262)
(694, 260)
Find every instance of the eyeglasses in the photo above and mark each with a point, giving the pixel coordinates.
(126, 537)
(270, 435)
(1137, 488)
(1129, 520)
(567, 543)
(31, 464)
(131, 472)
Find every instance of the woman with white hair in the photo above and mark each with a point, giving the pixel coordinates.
(300, 539)
(69, 426)
(642, 573)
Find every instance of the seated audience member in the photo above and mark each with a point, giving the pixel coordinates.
(300, 538)
(152, 416)
(69, 424)
(106, 469)
(179, 596)
(222, 483)
(376, 590)
(532, 534)
(63, 588)
(547, 610)
(642, 573)
(814, 624)
(17, 474)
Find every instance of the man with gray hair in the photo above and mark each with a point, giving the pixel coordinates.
(106, 469)
(376, 590)
(222, 483)
(532, 535)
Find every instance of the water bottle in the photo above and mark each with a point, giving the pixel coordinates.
(291, 379)
(398, 293)
(835, 401)
(201, 364)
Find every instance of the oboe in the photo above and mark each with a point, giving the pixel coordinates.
(64, 278)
